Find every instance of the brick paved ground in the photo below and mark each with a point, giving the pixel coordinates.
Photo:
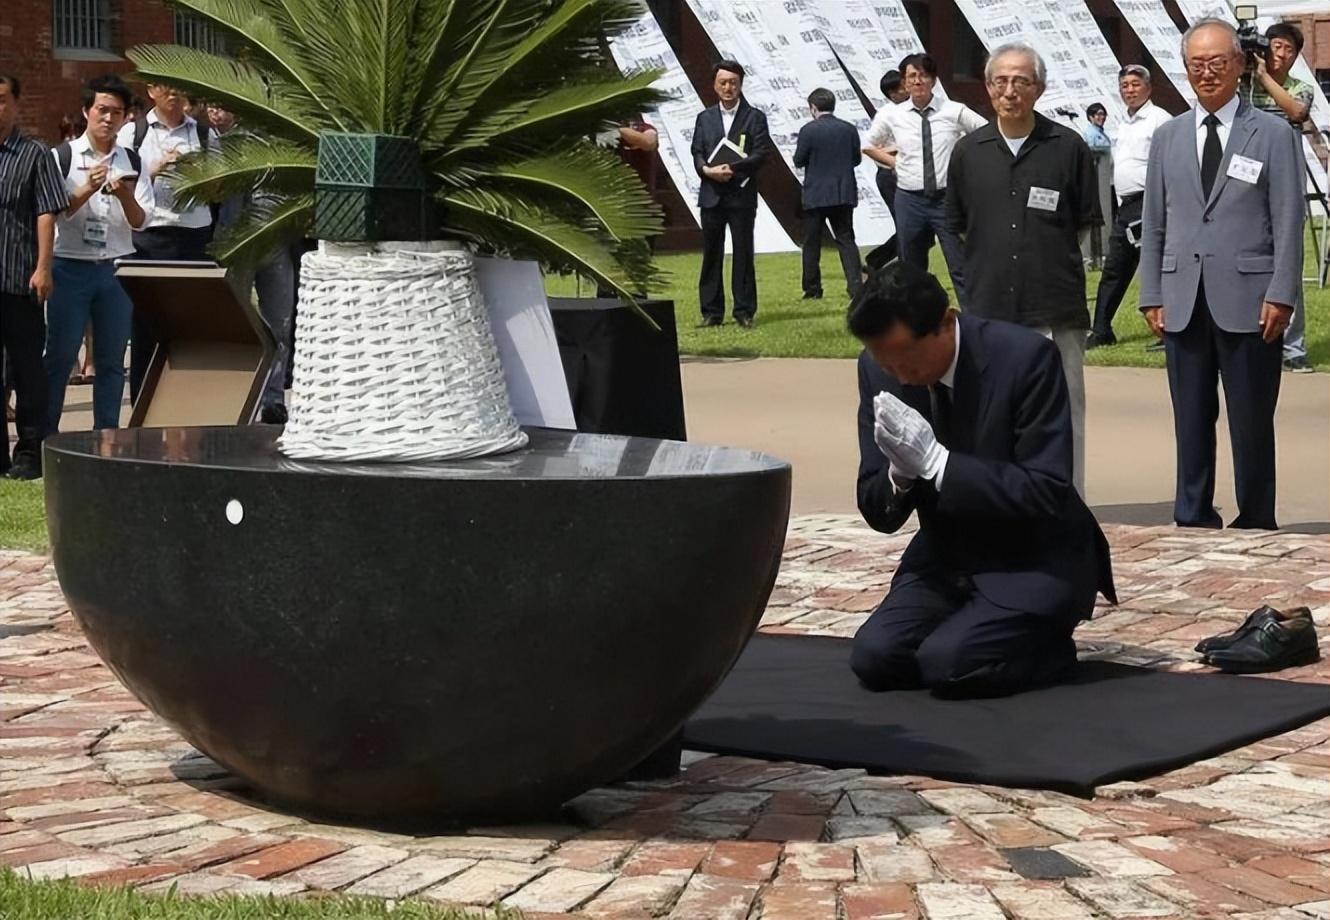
(93, 786)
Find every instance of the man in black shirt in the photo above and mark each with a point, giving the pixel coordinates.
(32, 193)
(1019, 191)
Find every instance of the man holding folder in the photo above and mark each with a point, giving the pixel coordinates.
(730, 142)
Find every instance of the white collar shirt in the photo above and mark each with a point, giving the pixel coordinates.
(1226, 114)
(727, 117)
(900, 125)
(1131, 153)
(99, 231)
(159, 141)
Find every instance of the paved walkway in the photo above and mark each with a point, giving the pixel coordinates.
(93, 786)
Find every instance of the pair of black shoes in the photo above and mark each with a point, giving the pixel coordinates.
(1268, 640)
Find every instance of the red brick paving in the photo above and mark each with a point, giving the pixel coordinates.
(1245, 834)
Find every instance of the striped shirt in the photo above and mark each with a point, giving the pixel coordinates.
(30, 185)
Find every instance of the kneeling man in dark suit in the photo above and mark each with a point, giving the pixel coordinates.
(966, 422)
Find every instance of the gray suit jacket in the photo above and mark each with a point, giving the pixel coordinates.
(1245, 241)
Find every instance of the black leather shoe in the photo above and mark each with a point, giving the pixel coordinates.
(1255, 620)
(1094, 340)
(708, 321)
(812, 295)
(745, 322)
(1272, 646)
(26, 466)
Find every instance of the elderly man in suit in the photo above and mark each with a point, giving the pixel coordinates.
(827, 152)
(966, 422)
(728, 197)
(1221, 268)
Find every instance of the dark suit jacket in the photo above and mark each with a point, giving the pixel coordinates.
(750, 126)
(1007, 515)
(828, 151)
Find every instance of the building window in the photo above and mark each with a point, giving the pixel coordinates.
(922, 19)
(194, 32)
(82, 25)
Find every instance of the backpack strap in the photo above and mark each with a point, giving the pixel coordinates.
(202, 128)
(64, 155)
(135, 160)
(140, 131)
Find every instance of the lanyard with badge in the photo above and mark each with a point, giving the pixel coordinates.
(97, 211)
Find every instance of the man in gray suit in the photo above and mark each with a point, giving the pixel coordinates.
(827, 152)
(1221, 266)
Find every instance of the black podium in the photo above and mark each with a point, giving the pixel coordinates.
(623, 376)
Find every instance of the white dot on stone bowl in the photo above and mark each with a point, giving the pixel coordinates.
(235, 512)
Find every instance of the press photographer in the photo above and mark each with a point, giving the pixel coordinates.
(1267, 84)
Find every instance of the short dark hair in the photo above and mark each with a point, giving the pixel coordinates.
(891, 81)
(920, 61)
(109, 84)
(731, 66)
(15, 88)
(1287, 31)
(1095, 108)
(822, 99)
(897, 293)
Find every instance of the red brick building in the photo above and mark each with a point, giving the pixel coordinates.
(55, 46)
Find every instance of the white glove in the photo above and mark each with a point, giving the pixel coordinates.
(907, 440)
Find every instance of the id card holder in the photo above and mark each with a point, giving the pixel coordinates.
(94, 232)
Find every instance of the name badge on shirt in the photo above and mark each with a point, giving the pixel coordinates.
(1244, 169)
(94, 232)
(1044, 199)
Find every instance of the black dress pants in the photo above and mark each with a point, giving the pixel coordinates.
(841, 220)
(743, 281)
(175, 244)
(1199, 357)
(22, 338)
(1119, 267)
(943, 635)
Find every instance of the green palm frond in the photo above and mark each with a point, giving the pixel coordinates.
(254, 26)
(244, 163)
(595, 179)
(589, 104)
(501, 96)
(509, 21)
(269, 224)
(264, 101)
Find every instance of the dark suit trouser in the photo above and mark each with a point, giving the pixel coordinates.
(1119, 267)
(743, 280)
(886, 187)
(182, 244)
(1198, 358)
(22, 337)
(841, 220)
(919, 218)
(934, 634)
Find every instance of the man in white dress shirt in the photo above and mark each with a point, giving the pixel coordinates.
(109, 197)
(1130, 158)
(916, 138)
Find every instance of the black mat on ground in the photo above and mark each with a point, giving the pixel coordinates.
(794, 698)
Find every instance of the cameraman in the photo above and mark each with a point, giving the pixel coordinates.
(1270, 87)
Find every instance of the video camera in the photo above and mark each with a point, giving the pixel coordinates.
(1250, 37)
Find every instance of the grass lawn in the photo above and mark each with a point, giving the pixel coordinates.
(22, 520)
(26, 900)
(789, 327)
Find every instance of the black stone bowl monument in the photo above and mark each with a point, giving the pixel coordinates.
(391, 642)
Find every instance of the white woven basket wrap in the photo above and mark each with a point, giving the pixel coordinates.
(395, 360)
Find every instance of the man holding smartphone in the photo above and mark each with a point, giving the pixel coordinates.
(109, 198)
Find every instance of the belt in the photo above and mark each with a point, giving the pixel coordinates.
(922, 193)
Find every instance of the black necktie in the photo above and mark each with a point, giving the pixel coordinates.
(939, 404)
(930, 170)
(1211, 154)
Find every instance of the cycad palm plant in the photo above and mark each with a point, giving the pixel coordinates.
(495, 103)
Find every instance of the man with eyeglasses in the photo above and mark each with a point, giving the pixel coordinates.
(1130, 159)
(1221, 268)
(1020, 192)
(916, 138)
